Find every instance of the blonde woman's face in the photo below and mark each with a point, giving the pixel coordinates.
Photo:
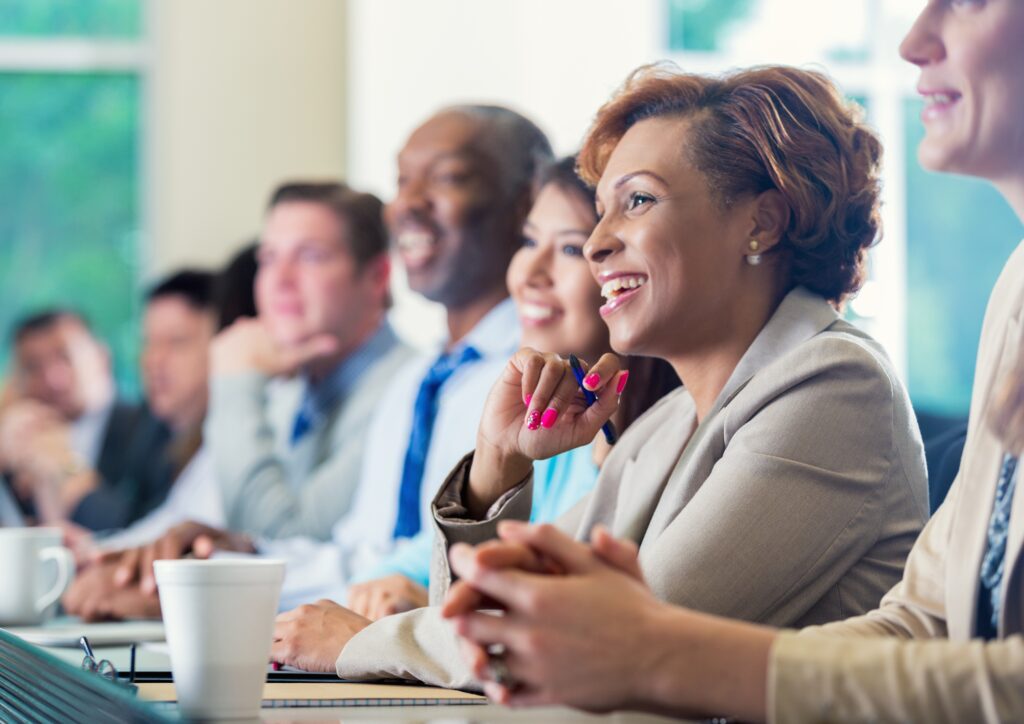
(971, 56)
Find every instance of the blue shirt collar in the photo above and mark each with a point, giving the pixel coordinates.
(324, 395)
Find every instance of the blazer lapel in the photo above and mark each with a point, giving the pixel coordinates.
(645, 475)
(662, 486)
(1011, 607)
(800, 316)
(979, 474)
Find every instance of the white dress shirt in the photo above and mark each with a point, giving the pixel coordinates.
(323, 570)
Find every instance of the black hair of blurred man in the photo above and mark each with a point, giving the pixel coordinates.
(233, 293)
(177, 327)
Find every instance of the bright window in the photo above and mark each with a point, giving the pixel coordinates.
(70, 139)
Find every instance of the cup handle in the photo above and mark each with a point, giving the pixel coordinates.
(65, 574)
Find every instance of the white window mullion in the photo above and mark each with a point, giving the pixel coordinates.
(70, 55)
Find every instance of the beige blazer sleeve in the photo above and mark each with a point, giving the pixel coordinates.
(888, 680)
(921, 664)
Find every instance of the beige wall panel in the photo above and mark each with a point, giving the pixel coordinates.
(242, 94)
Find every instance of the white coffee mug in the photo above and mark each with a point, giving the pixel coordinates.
(31, 583)
(219, 620)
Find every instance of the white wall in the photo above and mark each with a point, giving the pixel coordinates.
(556, 61)
(241, 95)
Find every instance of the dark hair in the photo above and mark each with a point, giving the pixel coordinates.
(233, 294)
(650, 379)
(361, 214)
(45, 320)
(192, 285)
(771, 127)
(516, 143)
(562, 173)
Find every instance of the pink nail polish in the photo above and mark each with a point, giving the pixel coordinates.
(526, 399)
(622, 382)
(533, 420)
(549, 417)
(592, 380)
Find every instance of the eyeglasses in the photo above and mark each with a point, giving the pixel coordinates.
(104, 668)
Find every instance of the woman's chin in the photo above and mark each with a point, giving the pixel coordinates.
(625, 345)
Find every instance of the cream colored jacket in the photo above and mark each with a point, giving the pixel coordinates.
(936, 673)
(795, 501)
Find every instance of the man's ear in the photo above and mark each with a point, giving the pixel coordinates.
(770, 219)
(378, 272)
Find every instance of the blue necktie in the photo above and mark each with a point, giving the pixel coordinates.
(303, 418)
(994, 562)
(424, 412)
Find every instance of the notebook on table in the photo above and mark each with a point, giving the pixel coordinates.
(66, 631)
(283, 695)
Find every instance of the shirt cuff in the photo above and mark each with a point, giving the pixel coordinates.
(453, 517)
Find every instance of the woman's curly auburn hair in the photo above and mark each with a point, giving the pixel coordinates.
(770, 127)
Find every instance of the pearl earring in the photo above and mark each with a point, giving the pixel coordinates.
(753, 259)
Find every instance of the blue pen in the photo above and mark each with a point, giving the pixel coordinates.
(577, 369)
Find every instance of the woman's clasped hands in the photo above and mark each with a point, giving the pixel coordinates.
(544, 601)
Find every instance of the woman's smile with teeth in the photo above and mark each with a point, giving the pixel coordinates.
(536, 312)
(614, 287)
(941, 98)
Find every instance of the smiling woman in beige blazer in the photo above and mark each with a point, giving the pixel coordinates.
(785, 484)
(946, 642)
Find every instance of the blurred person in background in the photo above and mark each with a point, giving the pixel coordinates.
(292, 388)
(466, 181)
(178, 326)
(181, 316)
(67, 444)
(177, 346)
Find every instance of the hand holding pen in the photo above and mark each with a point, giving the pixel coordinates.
(608, 428)
(537, 410)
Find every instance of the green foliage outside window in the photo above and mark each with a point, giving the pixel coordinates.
(69, 147)
(702, 24)
(92, 18)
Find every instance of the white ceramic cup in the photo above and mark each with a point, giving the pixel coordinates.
(219, 620)
(36, 570)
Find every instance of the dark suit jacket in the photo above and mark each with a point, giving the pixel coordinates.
(135, 470)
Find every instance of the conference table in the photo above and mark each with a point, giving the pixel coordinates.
(299, 700)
